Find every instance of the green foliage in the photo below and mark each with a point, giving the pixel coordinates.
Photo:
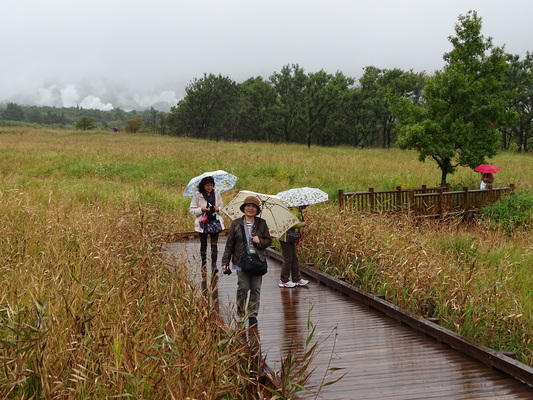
(519, 79)
(13, 112)
(254, 109)
(205, 110)
(510, 212)
(86, 123)
(289, 85)
(463, 105)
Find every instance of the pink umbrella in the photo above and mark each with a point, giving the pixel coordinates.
(486, 169)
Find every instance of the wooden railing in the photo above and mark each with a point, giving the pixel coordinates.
(424, 201)
(383, 200)
(457, 202)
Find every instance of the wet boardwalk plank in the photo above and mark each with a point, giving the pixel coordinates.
(379, 357)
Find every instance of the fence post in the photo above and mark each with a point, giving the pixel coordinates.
(439, 201)
(398, 196)
(424, 188)
(410, 202)
(465, 199)
(341, 199)
(372, 199)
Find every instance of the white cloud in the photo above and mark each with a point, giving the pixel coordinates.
(95, 103)
(48, 96)
(167, 96)
(70, 96)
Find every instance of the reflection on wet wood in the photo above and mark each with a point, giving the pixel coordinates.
(379, 357)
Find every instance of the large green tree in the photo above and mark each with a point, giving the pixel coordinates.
(463, 106)
(207, 105)
(254, 109)
(322, 95)
(14, 112)
(289, 85)
(519, 79)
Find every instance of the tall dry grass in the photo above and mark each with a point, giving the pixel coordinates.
(90, 309)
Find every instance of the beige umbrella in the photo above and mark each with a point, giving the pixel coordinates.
(276, 214)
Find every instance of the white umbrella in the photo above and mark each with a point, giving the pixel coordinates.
(303, 196)
(276, 214)
(224, 181)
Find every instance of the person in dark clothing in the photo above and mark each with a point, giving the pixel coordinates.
(253, 230)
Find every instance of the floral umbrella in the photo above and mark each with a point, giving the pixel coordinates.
(276, 214)
(224, 181)
(303, 196)
(486, 169)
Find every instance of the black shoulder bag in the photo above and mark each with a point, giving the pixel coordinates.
(252, 264)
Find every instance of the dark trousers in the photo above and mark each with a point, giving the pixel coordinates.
(290, 266)
(214, 249)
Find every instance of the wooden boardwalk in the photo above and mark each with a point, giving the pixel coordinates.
(379, 357)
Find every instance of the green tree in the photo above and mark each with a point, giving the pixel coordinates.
(254, 109)
(289, 85)
(519, 79)
(85, 123)
(377, 86)
(206, 108)
(150, 119)
(322, 95)
(161, 123)
(353, 122)
(14, 112)
(462, 106)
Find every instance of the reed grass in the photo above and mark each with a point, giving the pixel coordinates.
(91, 310)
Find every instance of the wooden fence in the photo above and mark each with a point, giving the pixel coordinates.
(424, 201)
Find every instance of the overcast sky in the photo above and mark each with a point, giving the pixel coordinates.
(133, 54)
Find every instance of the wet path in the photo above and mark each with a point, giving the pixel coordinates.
(379, 357)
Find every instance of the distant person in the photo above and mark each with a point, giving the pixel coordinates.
(250, 231)
(290, 267)
(486, 180)
(205, 206)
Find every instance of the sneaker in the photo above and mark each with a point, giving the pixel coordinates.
(287, 284)
(301, 282)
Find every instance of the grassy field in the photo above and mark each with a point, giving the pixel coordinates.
(90, 310)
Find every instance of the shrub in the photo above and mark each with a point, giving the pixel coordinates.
(133, 125)
(85, 123)
(510, 212)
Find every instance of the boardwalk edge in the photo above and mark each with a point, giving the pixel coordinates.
(475, 350)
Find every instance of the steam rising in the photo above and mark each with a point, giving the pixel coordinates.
(72, 96)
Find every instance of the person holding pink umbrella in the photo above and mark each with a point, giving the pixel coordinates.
(487, 177)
